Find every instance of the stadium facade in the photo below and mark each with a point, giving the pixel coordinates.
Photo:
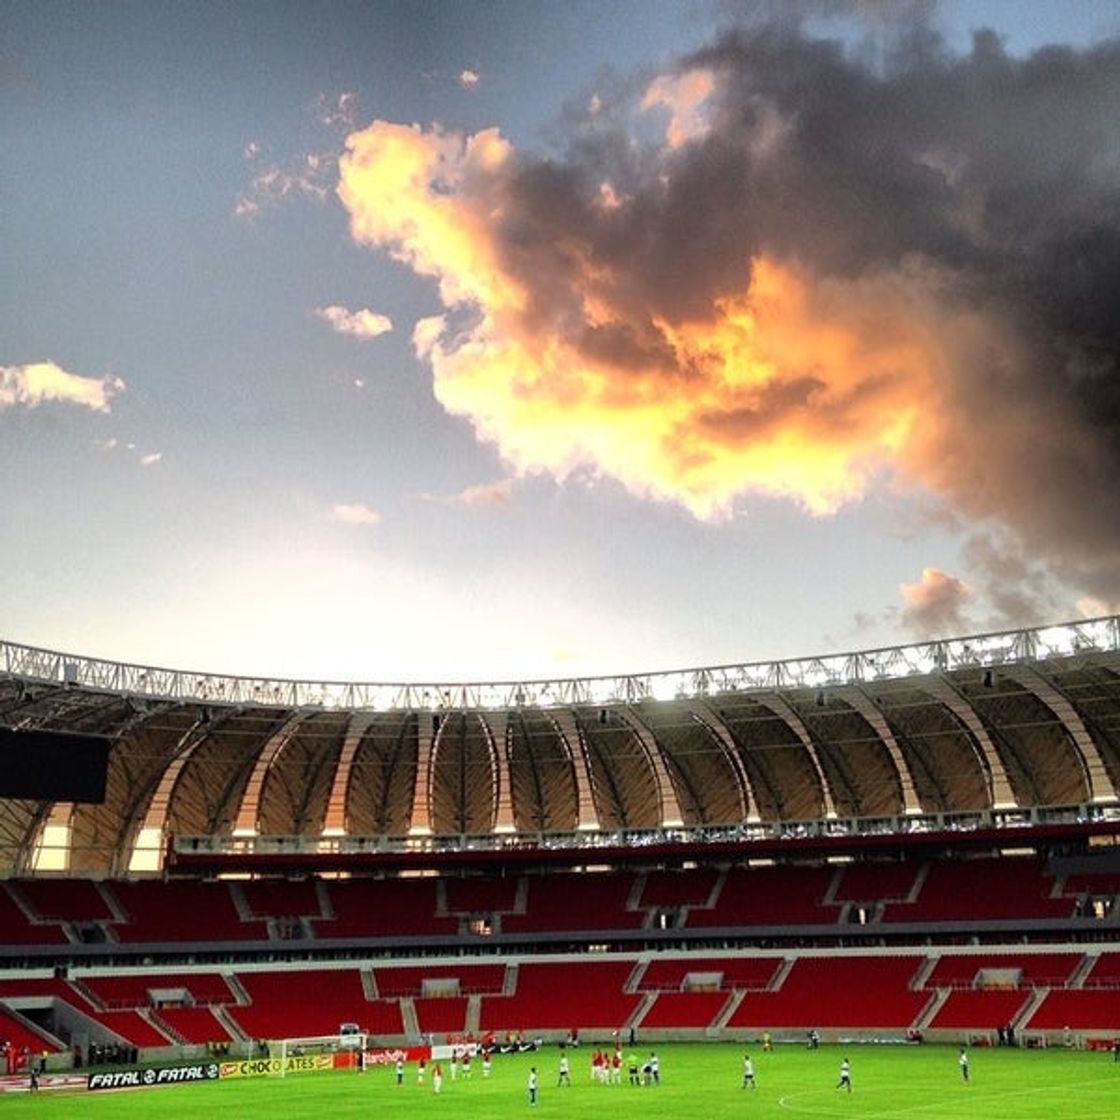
(915, 841)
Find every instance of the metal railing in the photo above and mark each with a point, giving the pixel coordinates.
(1064, 640)
(710, 835)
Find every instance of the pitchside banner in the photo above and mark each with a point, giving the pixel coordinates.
(387, 1056)
(262, 1067)
(157, 1075)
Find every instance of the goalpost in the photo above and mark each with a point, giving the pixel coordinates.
(309, 1053)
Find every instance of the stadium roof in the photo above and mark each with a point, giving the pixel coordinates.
(1018, 720)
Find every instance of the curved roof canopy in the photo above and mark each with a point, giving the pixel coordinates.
(1021, 719)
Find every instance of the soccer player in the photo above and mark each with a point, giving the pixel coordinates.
(962, 1061)
(485, 1064)
(655, 1067)
(564, 1077)
(400, 1071)
(437, 1078)
(748, 1073)
(845, 1081)
(421, 1064)
(532, 1085)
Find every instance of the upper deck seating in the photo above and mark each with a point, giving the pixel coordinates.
(666, 889)
(280, 898)
(876, 882)
(576, 902)
(383, 908)
(181, 911)
(64, 900)
(480, 896)
(16, 929)
(1011, 888)
(769, 896)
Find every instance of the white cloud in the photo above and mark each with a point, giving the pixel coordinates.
(362, 323)
(482, 494)
(341, 110)
(355, 514)
(39, 382)
(151, 458)
(468, 79)
(309, 178)
(251, 150)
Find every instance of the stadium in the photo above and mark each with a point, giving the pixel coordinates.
(908, 843)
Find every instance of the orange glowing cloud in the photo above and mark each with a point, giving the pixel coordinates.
(797, 385)
(934, 605)
(684, 95)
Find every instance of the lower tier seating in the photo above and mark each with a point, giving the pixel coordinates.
(854, 992)
(980, 1011)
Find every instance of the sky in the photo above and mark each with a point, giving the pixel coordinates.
(416, 341)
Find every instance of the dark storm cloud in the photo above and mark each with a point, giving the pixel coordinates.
(791, 266)
(1001, 174)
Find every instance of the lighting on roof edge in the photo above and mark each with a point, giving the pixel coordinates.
(980, 651)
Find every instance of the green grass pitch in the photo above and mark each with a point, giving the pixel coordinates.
(699, 1081)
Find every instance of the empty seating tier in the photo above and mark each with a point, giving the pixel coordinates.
(115, 991)
(480, 896)
(563, 995)
(983, 1010)
(986, 970)
(278, 898)
(982, 889)
(695, 1010)
(297, 1002)
(853, 992)
(769, 896)
(181, 911)
(17, 929)
(876, 882)
(197, 1025)
(384, 908)
(678, 888)
(469, 979)
(576, 902)
(66, 900)
(735, 972)
(1080, 1010)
